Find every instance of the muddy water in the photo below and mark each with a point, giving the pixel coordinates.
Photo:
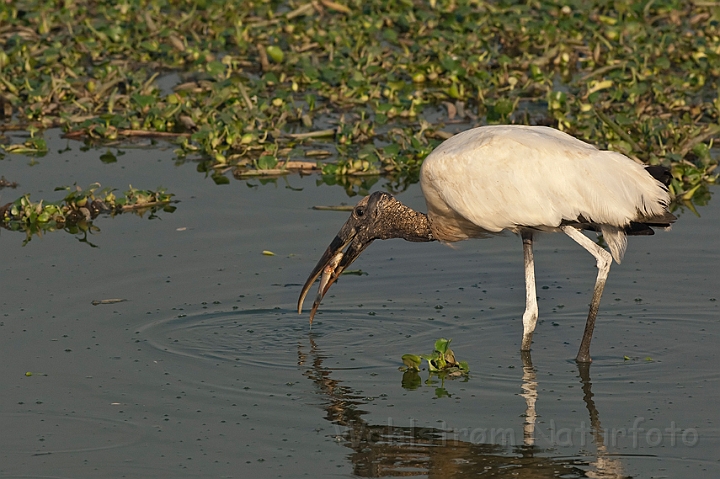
(208, 371)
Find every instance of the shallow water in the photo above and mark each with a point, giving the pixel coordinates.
(207, 370)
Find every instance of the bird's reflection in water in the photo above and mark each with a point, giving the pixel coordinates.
(388, 450)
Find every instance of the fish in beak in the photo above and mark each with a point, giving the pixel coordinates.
(355, 235)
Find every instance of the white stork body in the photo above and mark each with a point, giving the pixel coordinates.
(494, 178)
(518, 178)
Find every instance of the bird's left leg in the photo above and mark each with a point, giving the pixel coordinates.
(604, 260)
(531, 308)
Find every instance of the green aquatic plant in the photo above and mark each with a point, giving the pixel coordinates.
(441, 360)
(77, 210)
(363, 88)
(441, 365)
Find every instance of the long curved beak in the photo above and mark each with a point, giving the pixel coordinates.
(332, 263)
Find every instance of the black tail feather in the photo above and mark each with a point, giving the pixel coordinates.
(660, 173)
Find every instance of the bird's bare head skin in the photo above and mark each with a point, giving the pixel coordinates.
(377, 216)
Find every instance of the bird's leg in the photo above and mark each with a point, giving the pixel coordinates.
(604, 260)
(531, 308)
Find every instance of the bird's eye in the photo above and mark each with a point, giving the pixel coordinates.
(359, 211)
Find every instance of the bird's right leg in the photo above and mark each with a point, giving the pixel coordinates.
(531, 308)
(604, 260)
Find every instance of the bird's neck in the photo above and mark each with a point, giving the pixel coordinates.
(406, 223)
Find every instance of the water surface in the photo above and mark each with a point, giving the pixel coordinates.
(207, 370)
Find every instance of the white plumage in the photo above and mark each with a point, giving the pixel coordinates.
(524, 179)
(509, 177)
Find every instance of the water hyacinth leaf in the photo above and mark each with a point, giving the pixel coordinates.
(275, 53)
(215, 68)
(144, 101)
(442, 345)
(390, 35)
(504, 107)
(454, 91)
(412, 361)
(267, 162)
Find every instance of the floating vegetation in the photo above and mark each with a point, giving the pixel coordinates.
(442, 360)
(7, 184)
(441, 365)
(77, 210)
(361, 89)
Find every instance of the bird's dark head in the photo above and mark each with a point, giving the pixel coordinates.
(378, 216)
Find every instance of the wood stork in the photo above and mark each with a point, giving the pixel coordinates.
(525, 179)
